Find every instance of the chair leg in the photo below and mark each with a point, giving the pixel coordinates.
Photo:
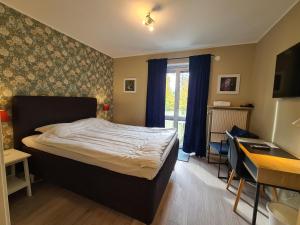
(238, 195)
(274, 195)
(208, 154)
(219, 169)
(232, 174)
(228, 173)
(262, 191)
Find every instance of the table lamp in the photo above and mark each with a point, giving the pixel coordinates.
(3, 118)
(4, 115)
(105, 107)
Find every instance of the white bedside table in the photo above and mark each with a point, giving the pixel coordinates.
(11, 158)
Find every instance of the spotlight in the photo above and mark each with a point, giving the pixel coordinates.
(149, 21)
(151, 28)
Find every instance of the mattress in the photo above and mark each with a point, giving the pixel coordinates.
(130, 150)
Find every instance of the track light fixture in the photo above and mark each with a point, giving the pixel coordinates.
(149, 22)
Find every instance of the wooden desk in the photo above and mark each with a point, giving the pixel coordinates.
(271, 170)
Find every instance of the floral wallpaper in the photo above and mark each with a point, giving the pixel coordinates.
(37, 60)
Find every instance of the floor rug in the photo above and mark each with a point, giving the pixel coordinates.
(182, 156)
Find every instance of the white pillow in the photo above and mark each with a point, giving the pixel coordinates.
(65, 130)
(93, 122)
(46, 128)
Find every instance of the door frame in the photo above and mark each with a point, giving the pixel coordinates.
(4, 206)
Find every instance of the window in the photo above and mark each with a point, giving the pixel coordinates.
(176, 97)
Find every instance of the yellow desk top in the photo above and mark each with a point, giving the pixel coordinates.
(269, 162)
(274, 170)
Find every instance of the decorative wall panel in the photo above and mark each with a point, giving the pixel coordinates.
(37, 60)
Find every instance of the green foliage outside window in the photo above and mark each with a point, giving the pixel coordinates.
(170, 97)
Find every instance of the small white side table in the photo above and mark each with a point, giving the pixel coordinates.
(11, 158)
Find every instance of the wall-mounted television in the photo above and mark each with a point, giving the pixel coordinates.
(287, 73)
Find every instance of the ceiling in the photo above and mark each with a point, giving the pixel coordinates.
(115, 27)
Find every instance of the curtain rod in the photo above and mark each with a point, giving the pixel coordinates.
(186, 57)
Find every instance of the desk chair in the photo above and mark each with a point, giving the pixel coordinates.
(235, 158)
(221, 148)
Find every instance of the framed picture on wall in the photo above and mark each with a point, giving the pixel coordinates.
(228, 84)
(130, 85)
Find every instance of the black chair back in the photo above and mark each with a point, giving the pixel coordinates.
(235, 156)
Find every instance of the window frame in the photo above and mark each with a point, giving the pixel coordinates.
(177, 68)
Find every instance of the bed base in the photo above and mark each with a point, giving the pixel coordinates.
(136, 197)
(133, 196)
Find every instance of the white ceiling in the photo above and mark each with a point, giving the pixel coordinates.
(115, 27)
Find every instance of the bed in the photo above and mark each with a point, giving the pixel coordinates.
(134, 196)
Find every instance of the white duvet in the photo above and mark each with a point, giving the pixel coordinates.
(131, 150)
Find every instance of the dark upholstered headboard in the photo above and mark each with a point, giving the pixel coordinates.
(30, 112)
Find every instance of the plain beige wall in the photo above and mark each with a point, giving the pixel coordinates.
(285, 34)
(255, 63)
(130, 108)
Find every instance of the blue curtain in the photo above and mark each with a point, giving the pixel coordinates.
(156, 92)
(195, 127)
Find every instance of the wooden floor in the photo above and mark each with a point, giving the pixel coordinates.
(193, 196)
